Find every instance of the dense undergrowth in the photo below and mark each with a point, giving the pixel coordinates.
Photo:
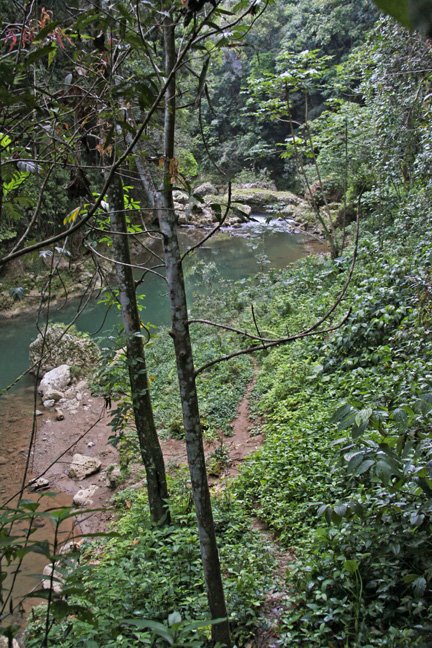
(343, 477)
(147, 573)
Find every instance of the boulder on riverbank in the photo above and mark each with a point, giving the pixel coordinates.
(83, 498)
(59, 346)
(83, 466)
(54, 383)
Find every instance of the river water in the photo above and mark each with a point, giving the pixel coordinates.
(234, 254)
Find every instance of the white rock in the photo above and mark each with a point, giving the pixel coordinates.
(53, 394)
(83, 466)
(38, 413)
(57, 579)
(180, 197)
(58, 345)
(204, 189)
(84, 496)
(49, 403)
(55, 380)
(70, 547)
(4, 643)
(39, 484)
(90, 444)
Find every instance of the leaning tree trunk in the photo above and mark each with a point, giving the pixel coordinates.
(185, 365)
(148, 439)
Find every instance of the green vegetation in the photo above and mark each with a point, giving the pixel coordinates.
(150, 573)
(334, 102)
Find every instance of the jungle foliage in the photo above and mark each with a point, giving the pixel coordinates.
(344, 477)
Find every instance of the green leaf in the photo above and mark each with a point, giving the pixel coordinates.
(397, 9)
(414, 14)
(384, 470)
(419, 586)
(41, 52)
(174, 618)
(45, 31)
(364, 466)
(351, 566)
(158, 628)
(5, 140)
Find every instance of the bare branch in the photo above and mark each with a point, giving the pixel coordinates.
(231, 329)
(275, 343)
(129, 265)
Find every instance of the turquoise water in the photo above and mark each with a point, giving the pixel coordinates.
(234, 255)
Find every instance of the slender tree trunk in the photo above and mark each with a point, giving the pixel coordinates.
(148, 439)
(185, 365)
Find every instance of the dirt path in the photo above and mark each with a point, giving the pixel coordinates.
(241, 444)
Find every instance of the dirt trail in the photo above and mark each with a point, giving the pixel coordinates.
(241, 444)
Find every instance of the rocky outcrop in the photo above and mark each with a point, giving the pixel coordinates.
(245, 199)
(113, 476)
(52, 579)
(39, 484)
(205, 189)
(325, 191)
(61, 347)
(6, 300)
(83, 466)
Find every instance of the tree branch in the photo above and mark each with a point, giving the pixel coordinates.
(312, 330)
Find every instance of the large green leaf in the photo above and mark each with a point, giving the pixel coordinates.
(396, 8)
(414, 14)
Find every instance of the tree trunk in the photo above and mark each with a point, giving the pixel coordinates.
(185, 365)
(148, 439)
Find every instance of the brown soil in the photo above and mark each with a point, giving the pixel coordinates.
(277, 597)
(85, 432)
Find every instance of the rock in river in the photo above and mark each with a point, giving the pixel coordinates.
(62, 346)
